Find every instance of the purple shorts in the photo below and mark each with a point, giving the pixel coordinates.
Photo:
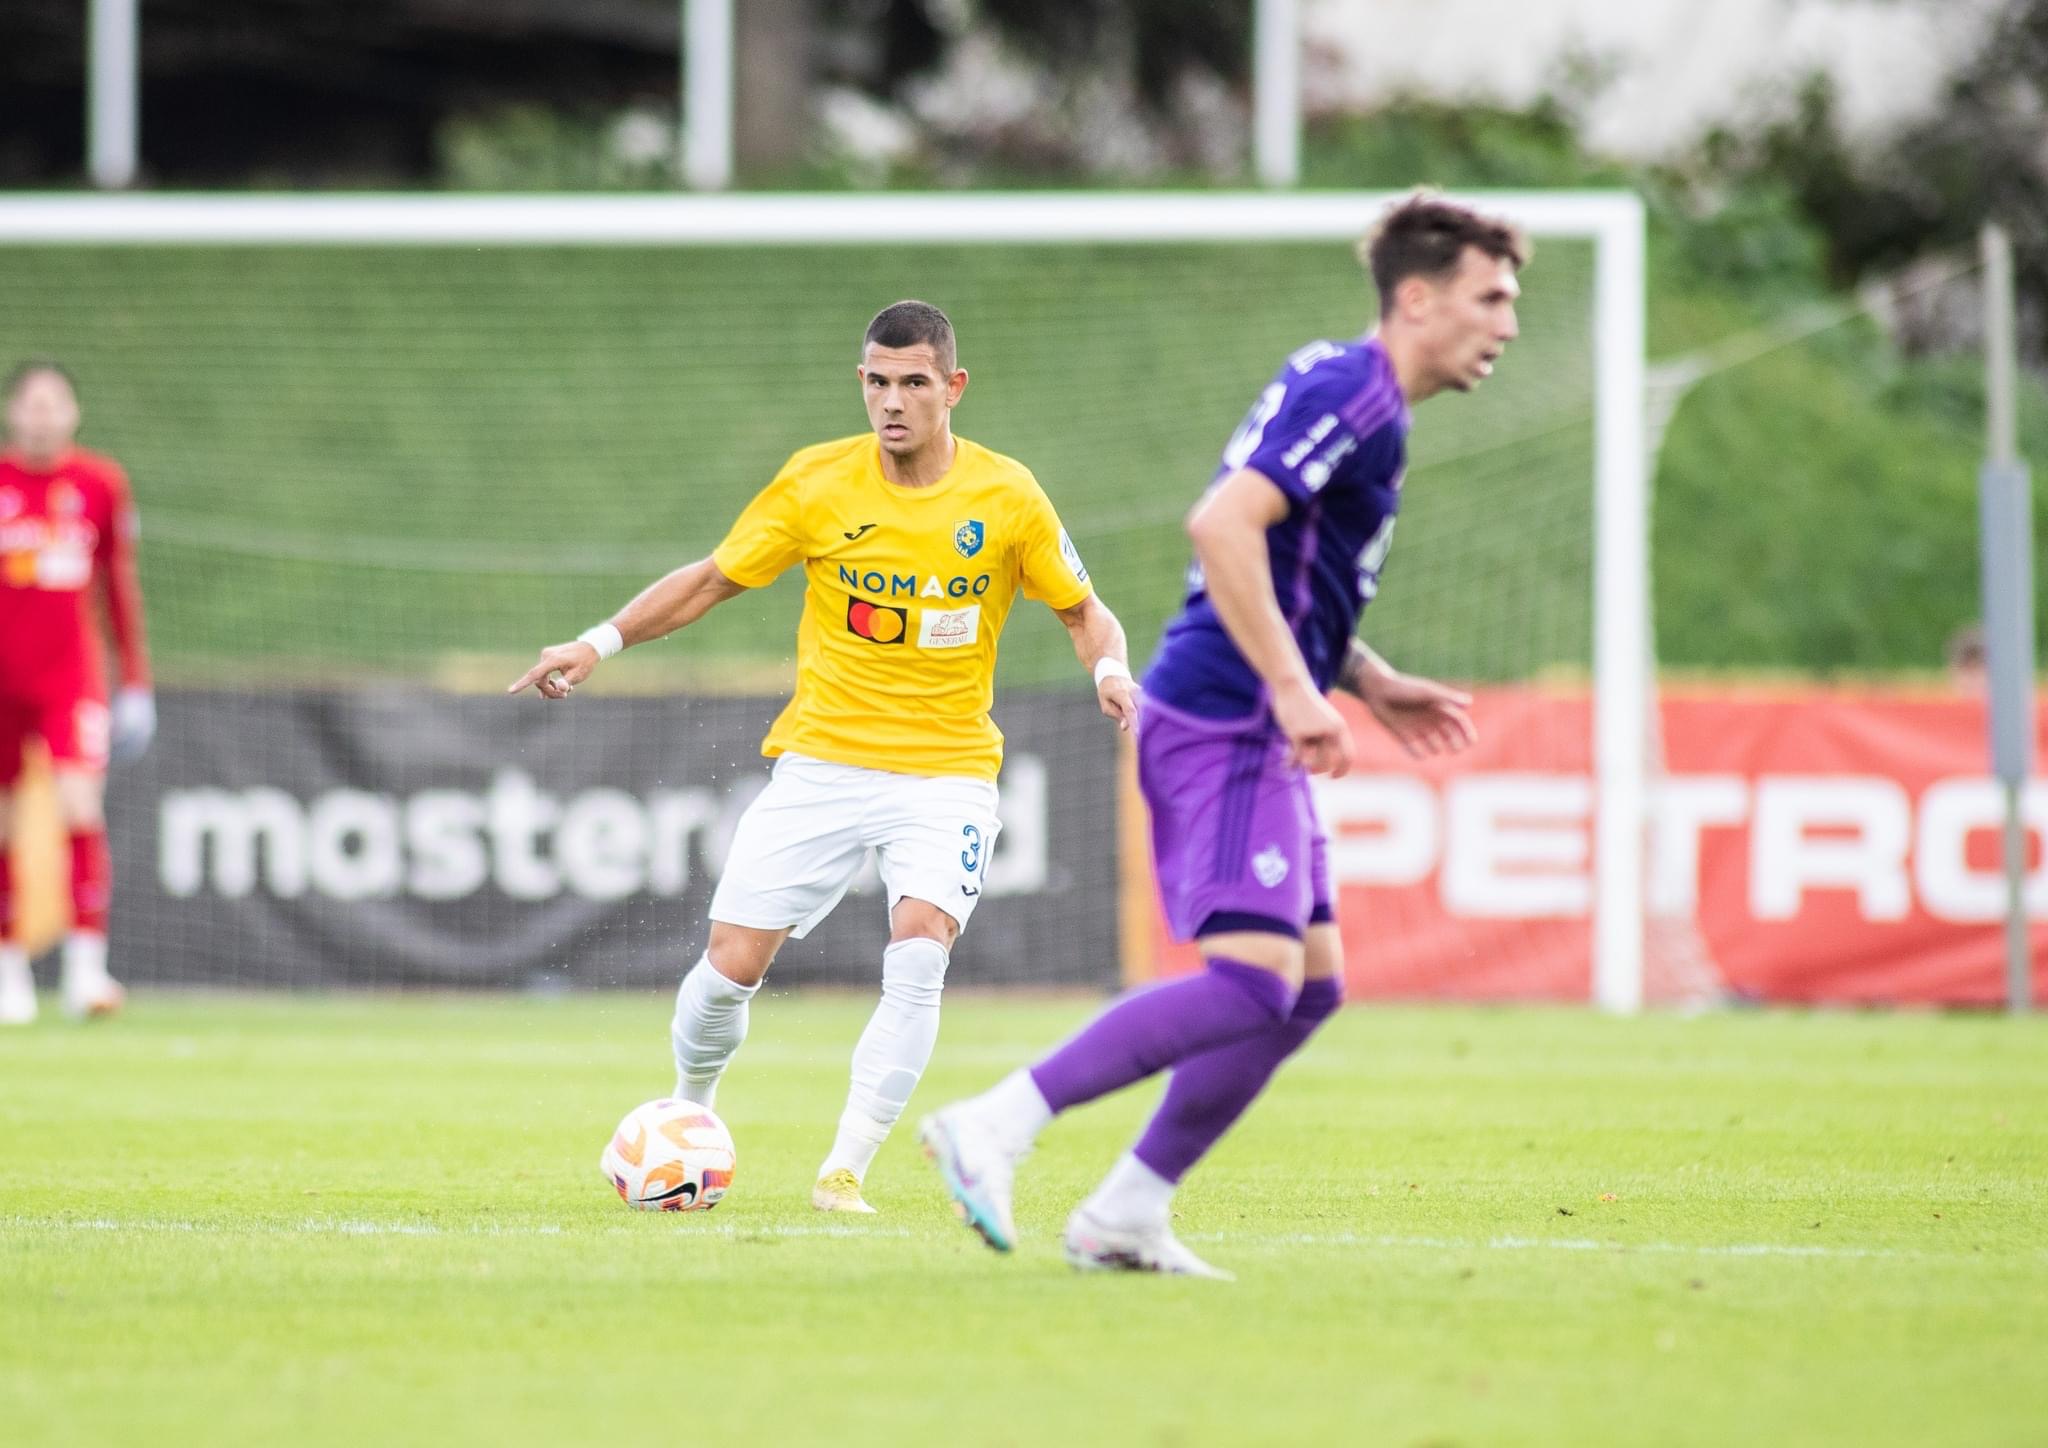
(1236, 844)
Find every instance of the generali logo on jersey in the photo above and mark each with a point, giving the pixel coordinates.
(949, 628)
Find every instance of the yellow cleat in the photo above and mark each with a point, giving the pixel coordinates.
(839, 1191)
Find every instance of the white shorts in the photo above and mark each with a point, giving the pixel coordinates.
(802, 841)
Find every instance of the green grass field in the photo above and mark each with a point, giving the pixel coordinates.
(361, 459)
(363, 1220)
(396, 461)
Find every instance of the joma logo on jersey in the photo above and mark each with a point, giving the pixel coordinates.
(906, 585)
(876, 622)
(967, 537)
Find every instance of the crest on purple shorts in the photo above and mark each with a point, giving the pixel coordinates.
(1270, 866)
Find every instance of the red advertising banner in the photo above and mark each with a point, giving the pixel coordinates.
(1802, 846)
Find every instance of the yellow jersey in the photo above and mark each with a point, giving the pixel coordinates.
(907, 590)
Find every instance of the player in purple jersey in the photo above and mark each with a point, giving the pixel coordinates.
(1289, 540)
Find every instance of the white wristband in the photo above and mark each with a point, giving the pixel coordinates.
(1109, 668)
(605, 638)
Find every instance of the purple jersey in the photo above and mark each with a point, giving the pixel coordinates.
(1330, 431)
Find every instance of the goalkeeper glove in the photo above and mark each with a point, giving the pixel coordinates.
(134, 724)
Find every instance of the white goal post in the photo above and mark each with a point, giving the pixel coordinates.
(1611, 221)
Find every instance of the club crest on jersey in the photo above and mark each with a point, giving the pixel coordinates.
(876, 622)
(967, 537)
(1270, 866)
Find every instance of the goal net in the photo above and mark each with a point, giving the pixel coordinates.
(385, 448)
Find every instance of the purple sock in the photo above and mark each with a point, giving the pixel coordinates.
(1210, 1091)
(1150, 1029)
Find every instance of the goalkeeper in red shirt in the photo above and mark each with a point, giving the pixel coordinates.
(67, 539)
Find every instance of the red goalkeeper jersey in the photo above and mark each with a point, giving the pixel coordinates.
(67, 532)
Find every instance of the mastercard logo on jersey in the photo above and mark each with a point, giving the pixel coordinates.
(876, 622)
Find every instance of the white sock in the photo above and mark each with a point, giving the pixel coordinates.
(86, 984)
(17, 987)
(892, 1053)
(709, 1024)
(1016, 1108)
(1132, 1197)
(85, 960)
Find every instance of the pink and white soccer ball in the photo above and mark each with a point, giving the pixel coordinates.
(670, 1156)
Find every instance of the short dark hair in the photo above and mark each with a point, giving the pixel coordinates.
(1426, 236)
(29, 368)
(913, 324)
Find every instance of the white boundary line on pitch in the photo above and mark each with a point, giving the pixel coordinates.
(1549, 1244)
(346, 1227)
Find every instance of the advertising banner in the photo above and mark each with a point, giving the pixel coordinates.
(416, 838)
(1801, 846)
(1810, 846)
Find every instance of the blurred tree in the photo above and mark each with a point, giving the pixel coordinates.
(774, 73)
(879, 45)
(1115, 87)
(900, 40)
(1159, 39)
(1982, 155)
(308, 92)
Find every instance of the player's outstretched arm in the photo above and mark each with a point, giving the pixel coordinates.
(1099, 645)
(133, 722)
(1425, 717)
(1228, 528)
(665, 605)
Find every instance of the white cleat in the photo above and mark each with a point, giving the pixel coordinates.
(86, 1000)
(977, 1167)
(17, 999)
(1095, 1247)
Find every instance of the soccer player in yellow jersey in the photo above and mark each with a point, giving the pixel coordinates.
(914, 543)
